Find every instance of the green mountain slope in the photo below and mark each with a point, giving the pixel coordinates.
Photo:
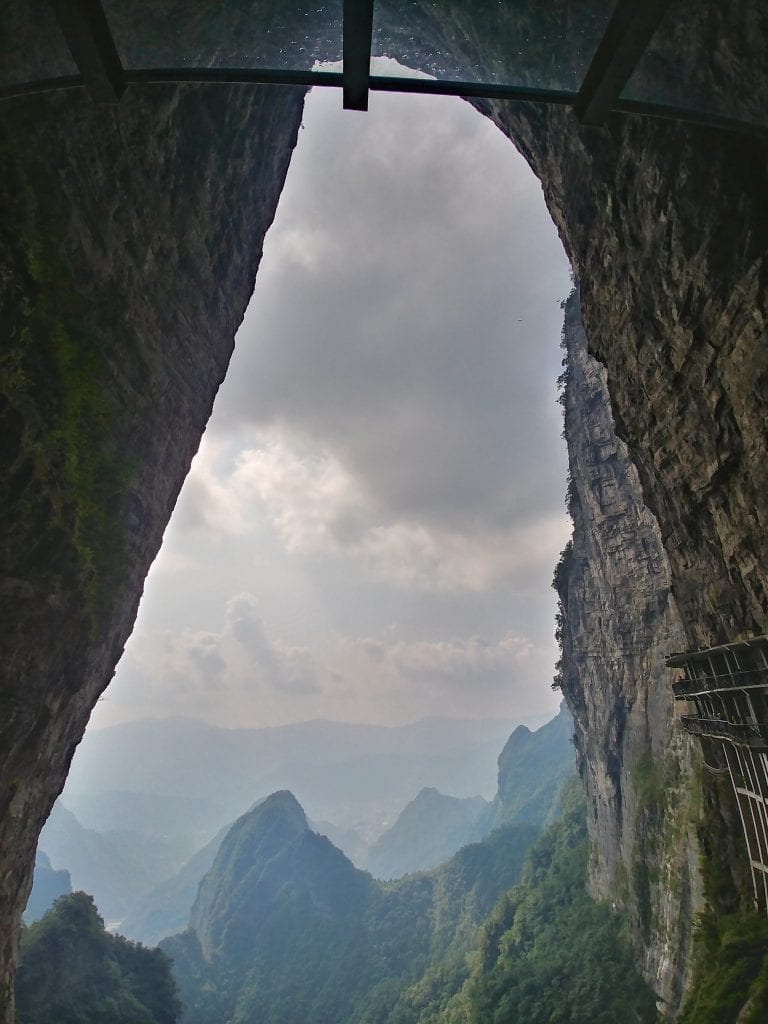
(165, 909)
(549, 953)
(428, 831)
(532, 768)
(285, 928)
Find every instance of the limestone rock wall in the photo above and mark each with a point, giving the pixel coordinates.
(130, 241)
(618, 621)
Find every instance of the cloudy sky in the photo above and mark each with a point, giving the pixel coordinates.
(369, 529)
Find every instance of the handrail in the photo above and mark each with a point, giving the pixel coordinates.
(720, 681)
(746, 733)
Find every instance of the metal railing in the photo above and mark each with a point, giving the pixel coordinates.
(750, 677)
(744, 733)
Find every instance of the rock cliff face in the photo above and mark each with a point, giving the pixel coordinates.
(130, 242)
(667, 232)
(130, 238)
(618, 620)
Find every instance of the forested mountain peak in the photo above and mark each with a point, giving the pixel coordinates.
(532, 768)
(269, 858)
(303, 935)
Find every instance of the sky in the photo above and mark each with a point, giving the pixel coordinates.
(369, 529)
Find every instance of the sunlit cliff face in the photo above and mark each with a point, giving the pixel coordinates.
(666, 229)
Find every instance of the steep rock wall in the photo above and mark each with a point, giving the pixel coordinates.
(617, 623)
(130, 242)
(667, 230)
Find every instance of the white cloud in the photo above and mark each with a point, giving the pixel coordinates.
(197, 669)
(461, 676)
(312, 501)
(385, 449)
(241, 675)
(208, 501)
(318, 506)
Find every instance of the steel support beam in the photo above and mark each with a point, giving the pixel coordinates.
(423, 86)
(358, 35)
(90, 41)
(629, 32)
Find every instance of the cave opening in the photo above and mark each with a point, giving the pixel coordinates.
(628, 201)
(368, 532)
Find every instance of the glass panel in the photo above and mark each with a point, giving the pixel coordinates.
(503, 42)
(225, 33)
(707, 58)
(32, 46)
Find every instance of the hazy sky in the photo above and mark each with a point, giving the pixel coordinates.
(369, 529)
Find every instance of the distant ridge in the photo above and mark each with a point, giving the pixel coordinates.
(47, 885)
(429, 830)
(357, 777)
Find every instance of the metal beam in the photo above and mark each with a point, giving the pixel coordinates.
(425, 86)
(629, 32)
(358, 35)
(90, 41)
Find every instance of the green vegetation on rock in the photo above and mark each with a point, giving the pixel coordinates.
(730, 975)
(549, 953)
(729, 983)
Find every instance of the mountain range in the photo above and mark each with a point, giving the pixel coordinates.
(285, 928)
(182, 779)
(148, 852)
(428, 831)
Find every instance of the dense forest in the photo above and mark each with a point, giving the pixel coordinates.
(74, 972)
(549, 953)
(285, 928)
